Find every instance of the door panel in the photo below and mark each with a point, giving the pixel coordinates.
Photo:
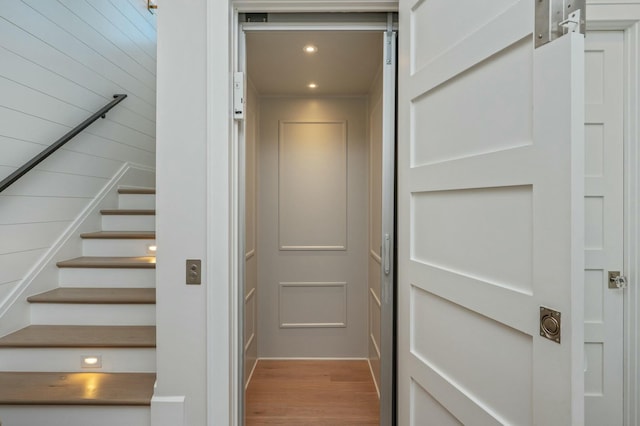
(604, 235)
(490, 216)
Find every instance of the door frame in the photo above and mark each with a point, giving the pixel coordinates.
(237, 176)
(222, 224)
(625, 17)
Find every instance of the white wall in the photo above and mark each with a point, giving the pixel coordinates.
(60, 62)
(375, 225)
(312, 199)
(182, 220)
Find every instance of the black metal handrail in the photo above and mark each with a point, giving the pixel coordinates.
(6, 182)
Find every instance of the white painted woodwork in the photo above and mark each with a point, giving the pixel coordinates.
(183, 198)
(251, 255)
(604, 233)
(312, 192)
(117, 247)
(61, 61)
(312, 305)
(128, 223)
(137, 201)
(93, 314)
(107, 277)
(375, 224)
(123, 360)
(490, 217)
(29, 415)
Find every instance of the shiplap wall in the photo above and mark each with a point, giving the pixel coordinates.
(60, 61)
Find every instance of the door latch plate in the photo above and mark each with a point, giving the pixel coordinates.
(550, 324)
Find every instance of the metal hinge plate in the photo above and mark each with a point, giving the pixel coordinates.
(554, 18)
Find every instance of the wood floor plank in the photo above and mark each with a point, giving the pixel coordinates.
(81, 336)
(120, 235)
(96, 296)
(128, 212)
(329, 393)
(136, 190)
(31, 388)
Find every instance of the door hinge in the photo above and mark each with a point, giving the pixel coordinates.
(554, 18)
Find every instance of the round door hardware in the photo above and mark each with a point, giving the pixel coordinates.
(550, 324)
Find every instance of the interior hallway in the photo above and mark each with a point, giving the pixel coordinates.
(312, 393)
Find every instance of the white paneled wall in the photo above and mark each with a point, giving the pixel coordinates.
(61, 60)
(312, 264)
(251, 254)
(375, 223)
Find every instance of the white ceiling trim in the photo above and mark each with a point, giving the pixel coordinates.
(242, 6)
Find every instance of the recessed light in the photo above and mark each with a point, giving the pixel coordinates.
(312, 85)
(310, 48)
(91, 361)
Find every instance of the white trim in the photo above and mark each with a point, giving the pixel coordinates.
(625, 15)
(315, 6)
(313, 248)
(313, 26)
(250, 254)
(249, 295)
(312, 324)
(223, 377)
(377, 300)
(373, 377)
(168, 411)
(375, 256)
(255, 364)
(249, 342)
(375, 344)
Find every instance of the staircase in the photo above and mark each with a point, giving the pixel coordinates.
(88, 357)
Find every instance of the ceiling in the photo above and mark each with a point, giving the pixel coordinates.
(346, 62)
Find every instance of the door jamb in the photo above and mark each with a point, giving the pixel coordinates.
(236, 182)
(626, 18)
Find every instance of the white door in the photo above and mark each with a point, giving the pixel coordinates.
(490, 217)
(603, 227)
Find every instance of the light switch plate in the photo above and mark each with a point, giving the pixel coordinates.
(194, 271)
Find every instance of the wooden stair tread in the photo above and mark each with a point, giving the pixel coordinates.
(143, 191)
(143, 262)
(120, 235)
(31, 388)
(128, 212)
(97, 296)
(81, 336)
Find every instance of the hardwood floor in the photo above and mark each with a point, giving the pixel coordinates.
(327, 393)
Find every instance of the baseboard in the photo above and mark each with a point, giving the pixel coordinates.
(168, 411)
(14, 310)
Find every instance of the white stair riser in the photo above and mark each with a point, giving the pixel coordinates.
(107, 277)
(119, 360)
(117, 247)
(74, 415)
(128, 223)
(90, 314)
(137, 201)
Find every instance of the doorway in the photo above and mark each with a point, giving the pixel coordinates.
(318, 144)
